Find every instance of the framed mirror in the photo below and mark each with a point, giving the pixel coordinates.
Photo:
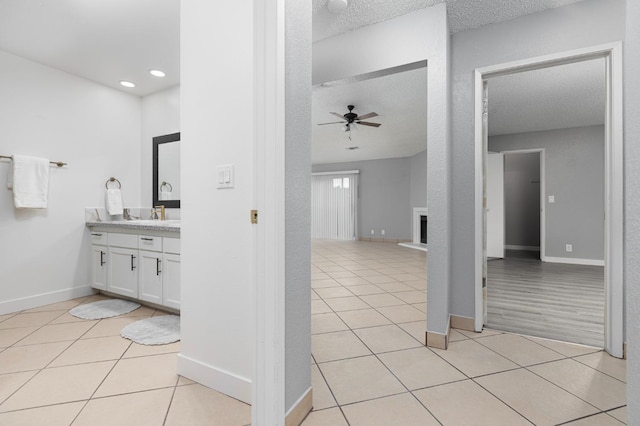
(166, 170)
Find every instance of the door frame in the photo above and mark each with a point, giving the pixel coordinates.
(614, 173)
(543, 210)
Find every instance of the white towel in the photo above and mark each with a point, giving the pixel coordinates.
(29, 180)
(165, 195)
(114, 203)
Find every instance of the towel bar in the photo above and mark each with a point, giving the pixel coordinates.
(57, 163)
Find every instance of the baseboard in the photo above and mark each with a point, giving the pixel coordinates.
(30, 302)
(222, 381)
(572, 261)
(384, 240)
(523, 248)
(300, 409)
(463, 323)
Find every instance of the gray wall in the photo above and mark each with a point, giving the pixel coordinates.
(297, 201)
(418, 190)
(632, 207)
(551, 31)
(574, 175)
(522, 199)
(383, 195)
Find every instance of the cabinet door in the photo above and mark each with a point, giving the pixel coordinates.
(151, 276)
(99, 267)
(171, 280)
(123, 271)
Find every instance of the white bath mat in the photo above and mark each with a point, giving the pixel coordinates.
(154, 331)
(104, 309)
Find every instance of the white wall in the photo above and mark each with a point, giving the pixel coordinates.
(587, 23)
(44, 255)
(574, 175)
(160, 116)
(217, 95)
(632, 207)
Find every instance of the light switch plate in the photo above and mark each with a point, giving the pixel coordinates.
(552, 199)
(225, 176)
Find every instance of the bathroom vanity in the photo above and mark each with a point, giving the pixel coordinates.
(138, 259)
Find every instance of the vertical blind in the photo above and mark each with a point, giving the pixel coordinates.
(334, 206)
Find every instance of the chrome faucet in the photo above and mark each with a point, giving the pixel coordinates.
(156, 210)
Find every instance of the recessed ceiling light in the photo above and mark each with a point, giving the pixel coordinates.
(157, 73)
(337, 6)
(127, 83)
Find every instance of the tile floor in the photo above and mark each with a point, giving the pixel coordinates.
(369, 365)
(56, 369)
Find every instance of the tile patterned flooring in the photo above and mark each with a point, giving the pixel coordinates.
(56, 369)
(369, 366)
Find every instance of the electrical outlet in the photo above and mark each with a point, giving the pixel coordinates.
(569, 248)
(382, 232)
(373, 232)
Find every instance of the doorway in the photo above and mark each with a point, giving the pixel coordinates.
(612, 176)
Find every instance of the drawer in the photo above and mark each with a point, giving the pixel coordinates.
(123, 240)
(172, 245)
(150, 242)
(99, 238)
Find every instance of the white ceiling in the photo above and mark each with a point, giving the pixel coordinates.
(553, 98)
(105, 41)
(401, 103)
(111, 40)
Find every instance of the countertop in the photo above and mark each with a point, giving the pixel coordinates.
(145, 225)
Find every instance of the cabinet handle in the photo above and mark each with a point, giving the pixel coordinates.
(132, 265)
(102, 262)
(158, 267)
(96, 235)
(146, 239)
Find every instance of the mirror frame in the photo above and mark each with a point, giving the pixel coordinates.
(157, 141)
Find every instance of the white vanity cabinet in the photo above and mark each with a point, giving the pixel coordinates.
(150, 279)
(139, 264)
(171, 271)
(123, 264)
(99, 256)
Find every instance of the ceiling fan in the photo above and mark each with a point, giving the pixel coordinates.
(351, 118)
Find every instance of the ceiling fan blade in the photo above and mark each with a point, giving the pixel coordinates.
(366, 123)
(333, 122)
(338, 115)
(370, 115)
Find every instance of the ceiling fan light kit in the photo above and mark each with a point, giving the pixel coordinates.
(337, 6)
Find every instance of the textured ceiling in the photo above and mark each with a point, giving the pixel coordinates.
(102, 40)
(399, 99)
(553, 98)
(463, 14)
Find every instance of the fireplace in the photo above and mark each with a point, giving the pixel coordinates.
(420, 225)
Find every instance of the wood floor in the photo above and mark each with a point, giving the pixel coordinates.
(557, 301)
